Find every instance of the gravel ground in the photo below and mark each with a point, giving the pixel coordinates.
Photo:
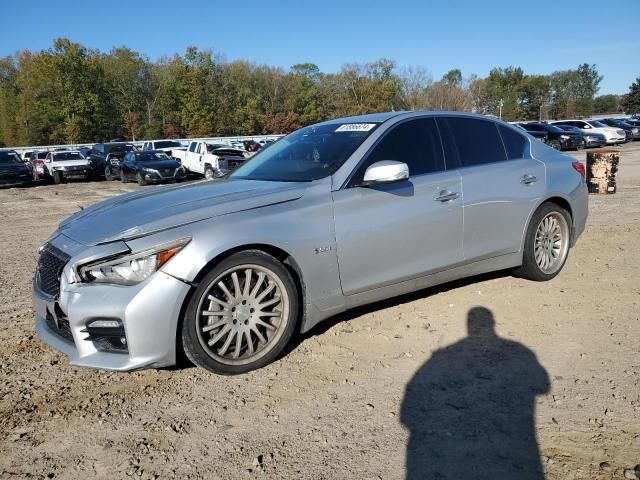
(399, 389)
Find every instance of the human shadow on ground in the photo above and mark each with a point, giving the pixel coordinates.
(470, 408)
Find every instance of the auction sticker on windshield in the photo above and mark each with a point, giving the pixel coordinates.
(355, 127)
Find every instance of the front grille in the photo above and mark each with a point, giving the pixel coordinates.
(50, 264)
(167, 172)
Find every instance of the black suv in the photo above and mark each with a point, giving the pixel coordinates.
(101, 151)
(554, 136)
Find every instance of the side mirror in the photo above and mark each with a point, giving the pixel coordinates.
(386, 171)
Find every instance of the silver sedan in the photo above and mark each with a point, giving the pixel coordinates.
(333, 216)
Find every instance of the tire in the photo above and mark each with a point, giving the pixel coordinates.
(269, 284)
(209, 174)
(57, 178)
(140, 180)
(108, 175)
(554, 144)
(123, 179)
(535, 256)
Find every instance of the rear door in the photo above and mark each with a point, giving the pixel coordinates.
(389, 233)
(501, 183)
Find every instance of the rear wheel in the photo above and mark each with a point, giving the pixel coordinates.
(123, 179)
(546, 244)
(209, 174)
(242, 315)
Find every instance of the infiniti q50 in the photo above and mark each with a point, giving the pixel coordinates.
(332, 216)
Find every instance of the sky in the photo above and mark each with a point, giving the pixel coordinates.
(540, 36)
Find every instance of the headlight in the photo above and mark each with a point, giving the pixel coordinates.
(564, 137)
(131, 269)
(150, 170)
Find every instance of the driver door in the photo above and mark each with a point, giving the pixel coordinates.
(389, 233)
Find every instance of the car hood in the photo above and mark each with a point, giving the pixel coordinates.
(69, 163)
(158, 164)
(154, 209)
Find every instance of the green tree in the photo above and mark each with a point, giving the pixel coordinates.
(631, 100)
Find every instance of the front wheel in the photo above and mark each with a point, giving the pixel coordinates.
(554, 144)
(108, 174)
(209, 174)
(546, 244)
(141, 181)
(242, 315)
(123, 179)
(57, 178)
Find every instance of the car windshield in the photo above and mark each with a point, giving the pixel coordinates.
(59, 157)
(552, 129)
(167, 144)
(308, 154)
(595, 123)
(151, 156)
(216, 146)
(7, 158)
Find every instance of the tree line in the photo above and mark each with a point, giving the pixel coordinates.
(73, 94)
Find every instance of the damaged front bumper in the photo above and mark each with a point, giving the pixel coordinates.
(146, 316)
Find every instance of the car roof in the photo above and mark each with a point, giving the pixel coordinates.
(56, 152)
(384, 116)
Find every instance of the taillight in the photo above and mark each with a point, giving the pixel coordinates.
(578, 167)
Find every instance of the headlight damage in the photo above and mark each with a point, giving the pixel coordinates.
(133, 268)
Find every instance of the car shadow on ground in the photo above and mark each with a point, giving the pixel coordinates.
(354, 313)
(470, 408)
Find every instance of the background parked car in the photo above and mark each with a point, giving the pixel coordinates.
(67, 165)
(13, 171)
(556, 137)
(589, 139)
(612, 135)
(26, 155)
(210, 159)
(113, 162)
(99, 152)
(167, 146)
(151, 167)
(632, 131)
(36, 160)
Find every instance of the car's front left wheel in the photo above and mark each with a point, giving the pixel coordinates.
(242, 314)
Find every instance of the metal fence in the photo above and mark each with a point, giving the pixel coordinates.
(139, 143)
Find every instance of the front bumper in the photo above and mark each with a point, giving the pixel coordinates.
(573, 142)
(159, 177)
(595, 141)
(149, 312)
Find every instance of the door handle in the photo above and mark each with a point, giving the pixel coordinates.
(528, 179)
(446, 196)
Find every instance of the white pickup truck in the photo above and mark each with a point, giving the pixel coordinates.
(210, 159)
(166, 146)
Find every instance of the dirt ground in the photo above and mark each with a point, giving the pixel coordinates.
(394, 390)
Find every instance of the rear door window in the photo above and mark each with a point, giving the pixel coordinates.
(470, 141)
(514, 143)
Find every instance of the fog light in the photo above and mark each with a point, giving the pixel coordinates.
(104, 324)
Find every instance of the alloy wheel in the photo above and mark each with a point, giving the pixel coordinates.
(242, 314)
(551, 242)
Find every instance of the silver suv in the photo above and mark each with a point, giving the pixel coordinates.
(333, 216)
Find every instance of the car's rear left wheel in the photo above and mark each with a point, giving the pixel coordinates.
(242, 315)
(546, 244)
